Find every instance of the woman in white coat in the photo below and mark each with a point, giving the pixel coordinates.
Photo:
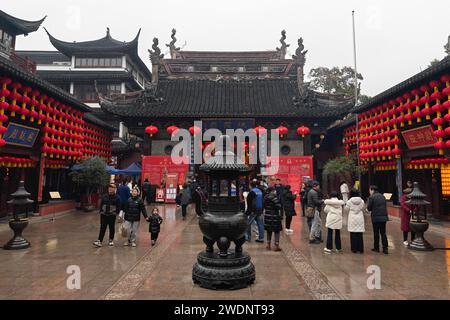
(333, 209)
(355, 224)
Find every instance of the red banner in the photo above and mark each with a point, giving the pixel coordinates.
(292, 170)
(157, 168)
(419, 137)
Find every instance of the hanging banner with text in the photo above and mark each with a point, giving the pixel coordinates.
(157, 168)
(419, 137)
(292, 170)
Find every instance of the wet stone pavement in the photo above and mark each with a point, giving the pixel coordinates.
(300, 271)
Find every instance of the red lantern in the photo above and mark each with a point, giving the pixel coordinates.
(194, 130)
(260, 130)
(282, 130)
(170, 130)
(151, 130)
(303, 131)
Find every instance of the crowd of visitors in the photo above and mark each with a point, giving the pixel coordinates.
(270, 207)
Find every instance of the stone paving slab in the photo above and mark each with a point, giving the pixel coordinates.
(300, 271)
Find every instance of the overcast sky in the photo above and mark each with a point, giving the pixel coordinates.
(395, 39)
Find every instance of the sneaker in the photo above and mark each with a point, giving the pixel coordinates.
(405, 243)
(111, 243)
(97, 243)
(326, 250)
(133, 244)
(260, 241)
(126, 244)
(338, 251)
(291, 231)
(153, 243)
(287, 231)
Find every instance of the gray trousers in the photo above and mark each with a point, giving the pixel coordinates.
(133, 228)
(316, 228)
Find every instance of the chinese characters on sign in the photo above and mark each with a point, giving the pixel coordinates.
(419, 138)
(19, 135)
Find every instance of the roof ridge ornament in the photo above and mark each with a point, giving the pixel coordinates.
(300, 59)
(173, 49)
(108, 34)
(282, 50)
(155, 54)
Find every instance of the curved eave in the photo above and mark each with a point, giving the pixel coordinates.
(21, 26)
(103, 45)
(12, 69)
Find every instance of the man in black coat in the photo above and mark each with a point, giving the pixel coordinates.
(378, 211)
(109, 208)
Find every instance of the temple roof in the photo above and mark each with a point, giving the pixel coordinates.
(205, 98)
(103, 46)
(97, 121)
(18, 26)
(229, 55)
(8, 67)
(428, 74)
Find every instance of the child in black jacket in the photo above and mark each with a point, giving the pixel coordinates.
(155, 221)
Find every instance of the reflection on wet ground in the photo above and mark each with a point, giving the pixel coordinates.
(300, 271)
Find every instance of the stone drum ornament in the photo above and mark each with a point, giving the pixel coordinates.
(223, 223)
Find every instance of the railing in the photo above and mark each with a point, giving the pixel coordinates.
(26, 63)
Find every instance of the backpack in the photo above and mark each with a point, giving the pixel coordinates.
(258, 200)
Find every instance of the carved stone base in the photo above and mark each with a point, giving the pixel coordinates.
(419, 243)
(230, 273)
(17, 242)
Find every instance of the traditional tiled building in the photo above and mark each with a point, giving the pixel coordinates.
(402, 135)
(229, 90)
(43, 129)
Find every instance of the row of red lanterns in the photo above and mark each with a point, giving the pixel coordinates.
(376, 124)
(152, 130)
(429, 163)
(13, 162)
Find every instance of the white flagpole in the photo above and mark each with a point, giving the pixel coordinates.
(356, 102)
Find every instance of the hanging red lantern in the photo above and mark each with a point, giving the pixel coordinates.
(282, 130)
(260, 130)
(172, 129)
(151, 130)
(303, 131)
(194, 130)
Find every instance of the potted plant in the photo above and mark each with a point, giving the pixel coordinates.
(90, 175)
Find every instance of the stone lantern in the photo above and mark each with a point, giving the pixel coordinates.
(419, 223)
(221, 224)
(20, 203)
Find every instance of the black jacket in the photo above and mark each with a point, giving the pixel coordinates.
(289, 203)
(155, 221)
(110, 204)
(377, 207)
(134, 208)
(272, 212)
(314, 199)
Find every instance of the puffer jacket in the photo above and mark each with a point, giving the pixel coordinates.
(289, 203)
(355, 209)
(272, 212)
(134, 208)
(333, 209)
(155, 221)
(377, 207)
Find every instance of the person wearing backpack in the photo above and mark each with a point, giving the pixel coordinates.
(255, 202)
